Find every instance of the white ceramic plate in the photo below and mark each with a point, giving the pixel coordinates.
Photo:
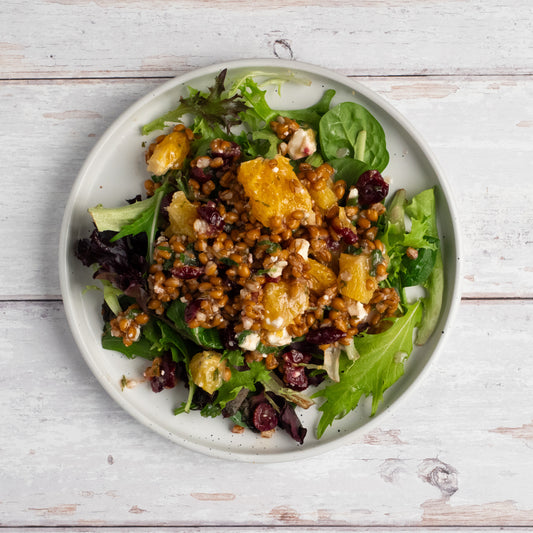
(115, 170)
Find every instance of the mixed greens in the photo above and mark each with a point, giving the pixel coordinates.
(229, 368)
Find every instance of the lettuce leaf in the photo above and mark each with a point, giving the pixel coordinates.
(261, 114)
(156, 339)
(380, 365)
(132, 219)
(422, 207)
(208, 338)
(427, 269)
(213, 107)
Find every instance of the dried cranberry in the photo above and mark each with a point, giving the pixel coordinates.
(228, 338)
(269, 279)
(200, 174)
(326, 335)
(163, 208)
(187, 272)
(231, 154)
(265, 417)
(371, 187)
(192, 310)
(296, 357)
(348, 236)
(210, 214)
(295, 377)
(167, 376)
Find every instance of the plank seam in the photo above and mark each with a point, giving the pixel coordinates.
(358, 76)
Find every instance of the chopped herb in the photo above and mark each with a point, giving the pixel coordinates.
(266, 349)
(354, 250)
(242, 335)
(271, 247)
(228, 261)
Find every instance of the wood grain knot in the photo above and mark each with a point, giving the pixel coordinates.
(440, 475)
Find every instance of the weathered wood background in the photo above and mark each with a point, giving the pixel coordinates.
(458, 453)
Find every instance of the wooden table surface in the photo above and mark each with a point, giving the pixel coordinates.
(457, 455)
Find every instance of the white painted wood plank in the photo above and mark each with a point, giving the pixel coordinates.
(481, 130)
(275, 529)
(83, 38)
(455, 453)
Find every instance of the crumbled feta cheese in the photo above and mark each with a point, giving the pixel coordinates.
(200, 226)
(250, 342)
(353, 194)
(277, 323)
(279, 338)
(276, 269)
(357, 309)
(159, 289)
(302, 247)
(302, 144)
(247, 322)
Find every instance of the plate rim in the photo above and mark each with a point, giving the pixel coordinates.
(253, 64)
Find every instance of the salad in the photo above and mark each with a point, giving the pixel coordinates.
(264, 267)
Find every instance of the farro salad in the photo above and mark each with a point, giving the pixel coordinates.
(266, 269)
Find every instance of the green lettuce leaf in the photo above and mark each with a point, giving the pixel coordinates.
(132, 219)
(261, 114)
(208, 338)
(422, 207)
(213, 107)
(380, 365)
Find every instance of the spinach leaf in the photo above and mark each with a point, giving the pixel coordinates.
(342, 130)
(156, 339)
(208, 338)
(416, 271)
(348, 170)
(165, 338)
(142, 348)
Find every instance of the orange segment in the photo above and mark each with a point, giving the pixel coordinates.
(354, 279)
(274, 190)
(169, 153)
(322, 276)
(324, 198)
(182, 215)
(280, 307)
